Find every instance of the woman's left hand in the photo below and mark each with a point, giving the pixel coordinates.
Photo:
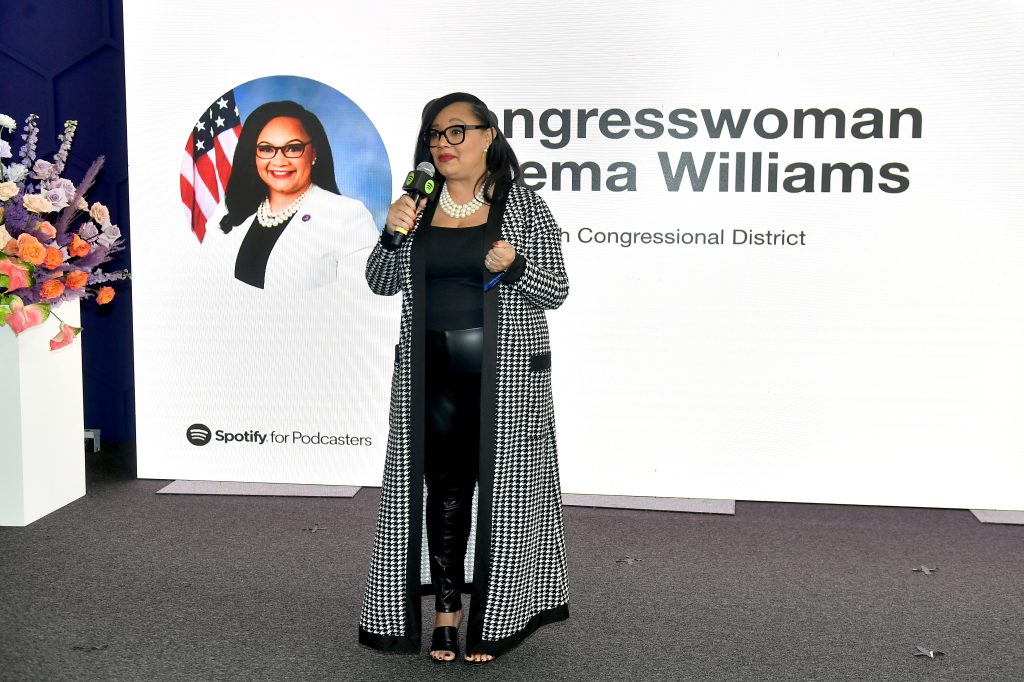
(500, 257)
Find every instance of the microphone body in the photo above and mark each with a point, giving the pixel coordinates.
(419, 184)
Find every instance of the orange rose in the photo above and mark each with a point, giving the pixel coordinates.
(53, 258)
(52, 288)
(30, 250)
(106, 295)
(46, 229)
(77, 279)
(79, 247)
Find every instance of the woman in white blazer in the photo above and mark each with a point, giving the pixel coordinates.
(286, 222)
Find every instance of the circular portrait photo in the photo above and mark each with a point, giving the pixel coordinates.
(285, 180)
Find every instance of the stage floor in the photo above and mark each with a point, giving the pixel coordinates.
(125, 584)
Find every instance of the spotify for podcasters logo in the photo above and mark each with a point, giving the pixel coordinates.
(199, 434)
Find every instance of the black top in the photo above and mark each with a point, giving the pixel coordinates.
(455, 272)
(253, 254)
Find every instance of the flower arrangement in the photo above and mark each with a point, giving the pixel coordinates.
(44, 260)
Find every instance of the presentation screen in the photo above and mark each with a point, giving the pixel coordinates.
(793, 233)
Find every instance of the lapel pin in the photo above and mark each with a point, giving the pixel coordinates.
(306, 218)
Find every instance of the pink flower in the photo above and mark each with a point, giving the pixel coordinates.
(22, 316)
(16, 274)
(65, 336)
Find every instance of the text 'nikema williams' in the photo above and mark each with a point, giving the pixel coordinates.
(700, 170)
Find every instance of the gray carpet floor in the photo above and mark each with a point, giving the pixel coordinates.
(125, 584)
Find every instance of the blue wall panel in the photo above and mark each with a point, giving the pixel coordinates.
(62, 60)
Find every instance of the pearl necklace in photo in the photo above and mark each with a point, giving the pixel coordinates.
(454, 210)
(268, 218)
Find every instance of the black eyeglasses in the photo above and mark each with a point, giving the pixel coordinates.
(454, 134)
(292, 150)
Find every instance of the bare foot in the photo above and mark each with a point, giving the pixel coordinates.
(479, 658)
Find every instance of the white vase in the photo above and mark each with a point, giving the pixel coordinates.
(42, 451)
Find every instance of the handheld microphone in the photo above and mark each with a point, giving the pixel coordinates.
(419, 184)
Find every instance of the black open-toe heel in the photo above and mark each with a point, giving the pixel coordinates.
(445, 639)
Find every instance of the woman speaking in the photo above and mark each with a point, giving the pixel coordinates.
(471, 402)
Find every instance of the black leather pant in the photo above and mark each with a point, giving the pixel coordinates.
(452, 447)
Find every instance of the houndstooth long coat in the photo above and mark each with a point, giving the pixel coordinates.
(518, 572)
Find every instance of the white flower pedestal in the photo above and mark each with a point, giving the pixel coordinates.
(42, 451)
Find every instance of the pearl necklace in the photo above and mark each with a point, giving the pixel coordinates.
(268, 218)
(454, 210)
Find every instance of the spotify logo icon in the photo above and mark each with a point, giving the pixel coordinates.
(199, 434)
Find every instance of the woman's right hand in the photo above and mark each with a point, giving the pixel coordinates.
(403, 213)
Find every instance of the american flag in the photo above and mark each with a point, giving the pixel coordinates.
(206, 166)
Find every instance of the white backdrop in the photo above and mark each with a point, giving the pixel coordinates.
(880, 362)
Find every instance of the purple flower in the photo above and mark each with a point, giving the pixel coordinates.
(31, 138)
(43, 170)
(57, 197)
(61, 156)
(112, 230)
(66, 185)
(100, 254)
(16, 218)
(88, 231)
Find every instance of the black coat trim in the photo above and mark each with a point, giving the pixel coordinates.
(488, 411)
(496, 648)
(418, 245)
(389, 644)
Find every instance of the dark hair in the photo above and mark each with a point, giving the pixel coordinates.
(246, 189)
(502, 164)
